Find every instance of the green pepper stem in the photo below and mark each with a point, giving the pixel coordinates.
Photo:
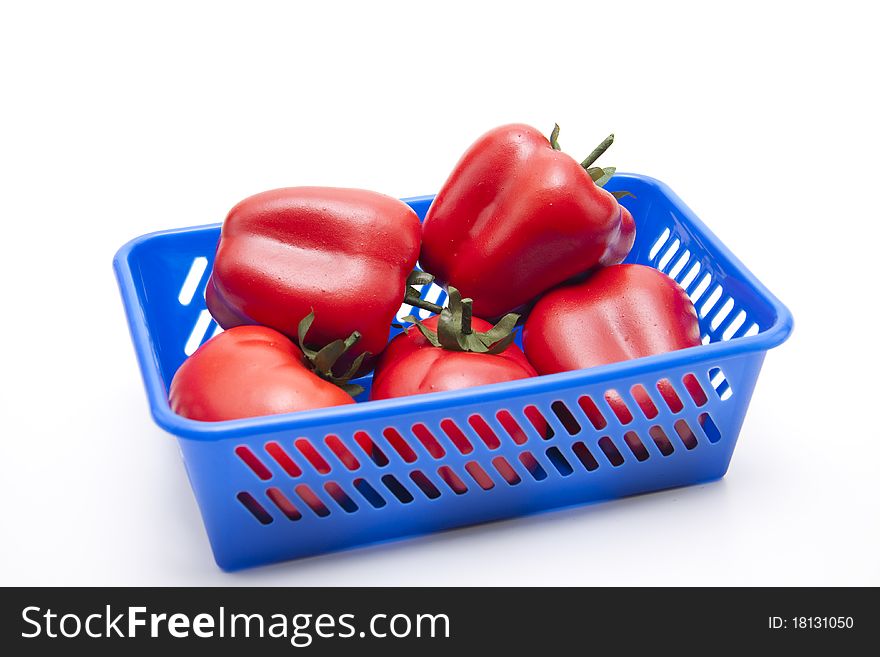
(412, 298)
(597, 152)
(554, 138)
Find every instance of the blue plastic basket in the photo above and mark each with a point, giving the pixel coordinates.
(286, 486)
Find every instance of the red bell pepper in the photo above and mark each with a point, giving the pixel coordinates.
(249, 371)
(343, 253)
(517, 217)
(449, 351)
(618, 313)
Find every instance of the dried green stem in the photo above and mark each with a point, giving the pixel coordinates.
(554, 138)
(323, 361)
(597, 152)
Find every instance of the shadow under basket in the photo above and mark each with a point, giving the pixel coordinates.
(286, 486)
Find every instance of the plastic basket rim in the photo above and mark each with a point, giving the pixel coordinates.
(183, 427)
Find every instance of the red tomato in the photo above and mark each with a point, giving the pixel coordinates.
(248, 371)
(411, 365)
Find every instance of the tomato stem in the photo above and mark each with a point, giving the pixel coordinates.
(455, 331)
(467, 313)
(322, 361)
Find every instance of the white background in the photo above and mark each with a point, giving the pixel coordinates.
(123, 118)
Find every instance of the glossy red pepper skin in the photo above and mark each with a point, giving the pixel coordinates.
(619, 313)
(516, 218)
(344, 253)
(248, 371)
(621, 247)
(411, 365)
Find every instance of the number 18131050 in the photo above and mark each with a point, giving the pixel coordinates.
(810, 623)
